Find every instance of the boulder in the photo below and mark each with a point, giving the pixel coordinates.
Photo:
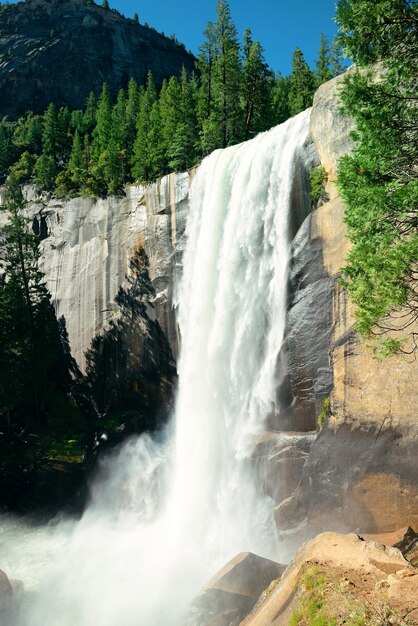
(231, 594)
(345, 576)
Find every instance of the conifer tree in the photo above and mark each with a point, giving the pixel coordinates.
(257, 84)
(183, 145)
(27, 134)
(45, 172)
(103, 129)
(77, 166)
(89, 116)
(141, 151)
(29, 349)
(302, 85)
(227, 76)
(323, 63)
(208, 53)
(170, 108)
(7, 150)
(280, 99)
(51, 133)
(131, 117)
(335, 55)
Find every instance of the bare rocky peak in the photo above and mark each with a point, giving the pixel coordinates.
(60, 50)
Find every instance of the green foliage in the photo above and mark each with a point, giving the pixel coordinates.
(302, 84)
(148, 132)
(325, 412)
(379, 181)
(312, 610)
(132, 349)
(32, 362)
(317, 179)
(323, 63)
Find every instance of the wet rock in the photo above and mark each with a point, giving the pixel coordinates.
(279, 459)
(231, 594)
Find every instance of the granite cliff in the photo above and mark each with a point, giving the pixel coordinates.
(60, 50)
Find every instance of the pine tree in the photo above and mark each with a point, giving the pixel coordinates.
(89, 116)
(208, 53)
(182, 149)
(51, 133)
(105, 4)
(141, 152)
(136, 18)
(336, 62)
(131, 117)
(28, 133)
(7, 149)
(227, 76)
(77, 166)
(302, 85)
(156, 157)
(323, 63)
(29, 349)
(45, 172)
(257, 85)
(103, 129)
(170, 108)
(280, 99)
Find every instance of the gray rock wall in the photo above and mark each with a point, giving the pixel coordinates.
(88, 245)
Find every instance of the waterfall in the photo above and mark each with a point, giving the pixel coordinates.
(169, 511)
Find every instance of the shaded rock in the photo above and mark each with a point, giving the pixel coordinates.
(403, 538)
(358, 476)
(305, 353)
(60, 50)
(6, 596)
(91, 242)
(233, 591)
(345, 563)
(279, 459)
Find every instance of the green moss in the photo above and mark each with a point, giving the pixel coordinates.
(317, 179)
(325, 412)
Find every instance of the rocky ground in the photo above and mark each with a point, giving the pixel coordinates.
(333, 579)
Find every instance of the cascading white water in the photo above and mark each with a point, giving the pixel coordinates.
(166, 515)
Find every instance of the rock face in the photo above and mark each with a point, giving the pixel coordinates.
(60, 50)
(89, 244)
(362, 470)
(353, 576)
(231, 594)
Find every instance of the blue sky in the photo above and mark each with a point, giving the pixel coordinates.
(280, 25)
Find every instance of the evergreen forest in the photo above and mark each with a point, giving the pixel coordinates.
(148, 131)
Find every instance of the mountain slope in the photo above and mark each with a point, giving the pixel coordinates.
(60, 50)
